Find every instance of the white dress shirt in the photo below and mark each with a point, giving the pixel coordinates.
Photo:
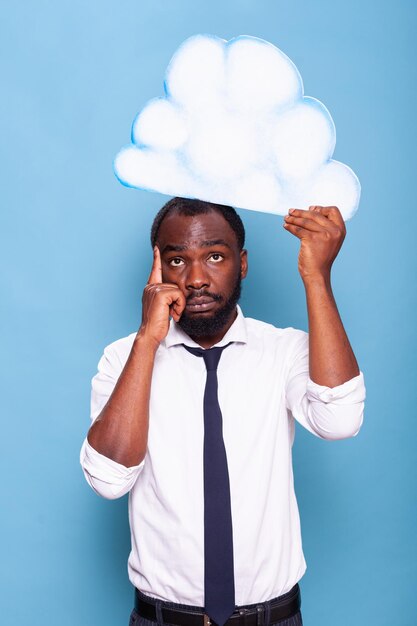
(263, 385)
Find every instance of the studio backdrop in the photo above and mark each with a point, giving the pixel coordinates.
(76, 255)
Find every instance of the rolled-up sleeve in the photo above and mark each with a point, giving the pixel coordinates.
(327, 412)
(107, 478)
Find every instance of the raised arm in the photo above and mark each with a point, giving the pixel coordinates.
(120, 432)
(321, 231)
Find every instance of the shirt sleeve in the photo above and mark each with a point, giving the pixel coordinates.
(327, 412)
(107, 478)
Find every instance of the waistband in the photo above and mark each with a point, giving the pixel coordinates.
(259, 614)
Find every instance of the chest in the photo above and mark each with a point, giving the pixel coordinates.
(251, 395)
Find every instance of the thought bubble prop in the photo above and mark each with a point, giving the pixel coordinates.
(235, 128)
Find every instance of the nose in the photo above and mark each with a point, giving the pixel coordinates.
(197, 277)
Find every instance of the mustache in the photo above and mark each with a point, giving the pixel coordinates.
(205, 294)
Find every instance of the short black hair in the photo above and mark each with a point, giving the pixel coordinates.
(190, 207)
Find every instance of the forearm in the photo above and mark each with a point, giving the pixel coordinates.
(331, 358)
(121, 430)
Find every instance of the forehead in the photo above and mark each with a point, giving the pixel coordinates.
(191, 231)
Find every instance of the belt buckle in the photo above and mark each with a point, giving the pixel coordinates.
(207, 620)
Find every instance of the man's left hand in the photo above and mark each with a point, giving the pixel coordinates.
(321, 230)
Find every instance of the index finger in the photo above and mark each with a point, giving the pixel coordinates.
(156, 272)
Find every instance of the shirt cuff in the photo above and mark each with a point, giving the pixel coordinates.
(107, 477)
(349, 392)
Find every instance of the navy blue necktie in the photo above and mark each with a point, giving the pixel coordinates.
(219, 583)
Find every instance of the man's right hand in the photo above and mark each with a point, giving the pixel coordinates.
(159, 301)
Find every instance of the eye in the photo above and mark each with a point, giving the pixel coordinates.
(174, 263)
(219, 257)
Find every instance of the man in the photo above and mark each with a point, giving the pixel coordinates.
(215, 530)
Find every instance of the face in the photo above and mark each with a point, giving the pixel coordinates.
(200, 254)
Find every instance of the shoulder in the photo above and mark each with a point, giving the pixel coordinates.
(264, 333)
(258, 328)
(116, 353)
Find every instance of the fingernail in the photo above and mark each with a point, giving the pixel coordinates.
(291, 210)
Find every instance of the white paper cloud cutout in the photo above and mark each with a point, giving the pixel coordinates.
(234, 128)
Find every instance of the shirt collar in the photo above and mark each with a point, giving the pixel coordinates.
(237, 332)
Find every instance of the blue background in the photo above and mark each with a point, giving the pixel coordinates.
(76, 255)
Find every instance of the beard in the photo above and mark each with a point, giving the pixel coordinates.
(205, 327)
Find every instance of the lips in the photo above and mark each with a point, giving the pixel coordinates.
(200, 304)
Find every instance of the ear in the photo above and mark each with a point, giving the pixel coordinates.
(243, 263)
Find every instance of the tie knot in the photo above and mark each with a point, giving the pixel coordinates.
(211, 356)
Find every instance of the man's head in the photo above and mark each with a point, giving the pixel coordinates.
(201, 246)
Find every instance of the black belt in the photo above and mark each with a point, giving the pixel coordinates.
(283, 607)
